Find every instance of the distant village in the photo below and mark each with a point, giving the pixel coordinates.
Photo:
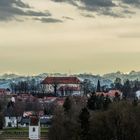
(24, 100)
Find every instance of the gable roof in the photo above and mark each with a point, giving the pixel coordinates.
(61, 80)
(111, 93)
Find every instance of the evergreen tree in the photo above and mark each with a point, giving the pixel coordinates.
(91, 104)
(67, 104)
(106, 102)
(87, 86)
(135, 101)
(84, 121)
(55, 85)
(99, 101)
(117, 97)
(127, 88)
(98, 87)
(118, 84)
(136, 86)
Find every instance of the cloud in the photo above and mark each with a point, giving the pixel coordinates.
(9, 3)
(48, 20)
(88, 15)
(98, 3)
(130, 35)
(11, 9)
(73, 2)
(102, 3)
(17, 9)
(68, 18)
(131, 1)
(105, 7)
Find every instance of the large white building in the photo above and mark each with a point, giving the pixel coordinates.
(63, 86)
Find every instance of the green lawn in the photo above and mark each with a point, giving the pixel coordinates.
(20, 132)
(43, 129)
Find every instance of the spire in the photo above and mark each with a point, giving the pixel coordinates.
(98, 87)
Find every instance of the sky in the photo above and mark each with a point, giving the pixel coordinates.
(69, 36)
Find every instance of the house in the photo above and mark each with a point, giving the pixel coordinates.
(62, 86)
(69, 90)
(45, 120)
(111, 94)
(137, 94)
(60, 101)
(10, 119)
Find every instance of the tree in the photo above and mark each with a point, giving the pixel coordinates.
(33, 86)
(118, 83)
(127, 89)
(136, 86)
(117, 97)
(57, 129)
(42, 88)
(14, 87)
(33, 105)
(84, 121)
(67, 105)
(106, 102)
(98, 87)
(119, 122)
(18, 109)
(3, 103)
(87, 86)
(65, 126)
(91, 104)
(135, 101)
(99, 101)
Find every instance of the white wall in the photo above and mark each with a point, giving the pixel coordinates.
(138, 94)
(34, 132)
(11, 120)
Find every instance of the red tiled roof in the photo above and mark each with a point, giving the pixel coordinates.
(61, 80)
(111, 93)
(2, 90)
(60, 101)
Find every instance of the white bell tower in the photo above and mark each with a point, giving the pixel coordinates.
(34, 128)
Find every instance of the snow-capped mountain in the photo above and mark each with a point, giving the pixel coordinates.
(106, 79)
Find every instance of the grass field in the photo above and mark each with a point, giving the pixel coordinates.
(19, 133)
(43, 129)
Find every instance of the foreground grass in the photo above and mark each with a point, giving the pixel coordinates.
(43, 129)
(20, 132)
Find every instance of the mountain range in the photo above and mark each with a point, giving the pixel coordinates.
(106, 79)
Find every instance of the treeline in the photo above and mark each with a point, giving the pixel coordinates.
(28, 86)
(127, 87)
(81, 119)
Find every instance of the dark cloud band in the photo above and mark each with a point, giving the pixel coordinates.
(11, 9)
(105, 7)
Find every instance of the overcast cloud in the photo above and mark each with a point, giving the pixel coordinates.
(106, 7)
(14, 9)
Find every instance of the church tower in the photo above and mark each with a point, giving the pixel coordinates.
(34, 128)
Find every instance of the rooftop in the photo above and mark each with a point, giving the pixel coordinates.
(61, 80)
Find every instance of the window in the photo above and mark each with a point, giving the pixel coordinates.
(33, 129)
